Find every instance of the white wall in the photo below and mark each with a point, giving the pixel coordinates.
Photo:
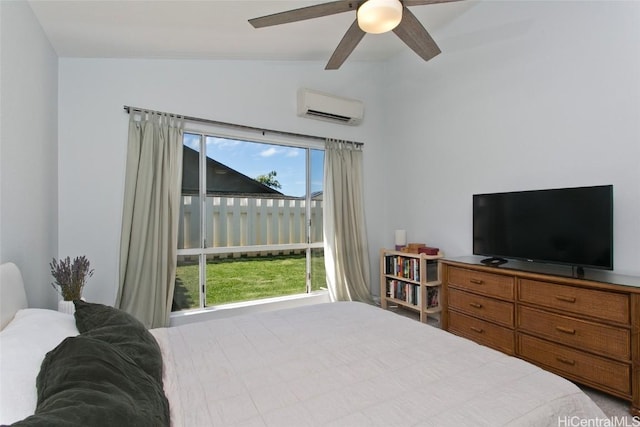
(526, 95)
(28, 150)
(93, 131)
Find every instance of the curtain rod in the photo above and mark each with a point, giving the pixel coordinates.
(130, 109)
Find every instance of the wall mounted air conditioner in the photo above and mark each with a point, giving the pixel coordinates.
(331, 108)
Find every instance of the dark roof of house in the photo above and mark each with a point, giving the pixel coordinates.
(221, 179)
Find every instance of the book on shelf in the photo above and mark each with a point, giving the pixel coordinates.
(407, 292)
(432, 270)
(432, 297)
(401, 266)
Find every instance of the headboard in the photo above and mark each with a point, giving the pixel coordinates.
(12, 294)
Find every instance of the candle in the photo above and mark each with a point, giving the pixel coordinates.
(400, 239)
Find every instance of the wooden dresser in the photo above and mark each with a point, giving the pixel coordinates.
(584, 329)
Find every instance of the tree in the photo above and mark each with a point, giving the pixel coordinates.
(269, 180)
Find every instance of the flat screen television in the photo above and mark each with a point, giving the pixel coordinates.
(572, 226)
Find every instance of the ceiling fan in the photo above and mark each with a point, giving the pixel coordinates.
(373, 16)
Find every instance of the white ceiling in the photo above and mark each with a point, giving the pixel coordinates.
(212, 29)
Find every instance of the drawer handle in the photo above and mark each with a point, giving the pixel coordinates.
(565, 361)
(475, 305)
(565, 299)
(569, 331)
(478, 330)
(476, 281)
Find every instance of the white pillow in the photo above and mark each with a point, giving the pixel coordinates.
(24, 342)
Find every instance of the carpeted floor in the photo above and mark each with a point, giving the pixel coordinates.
(614, 408)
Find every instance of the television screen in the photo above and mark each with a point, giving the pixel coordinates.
(571, 226)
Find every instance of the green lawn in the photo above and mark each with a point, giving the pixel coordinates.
(244, 279)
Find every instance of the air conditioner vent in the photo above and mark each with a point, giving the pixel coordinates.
(329, 116)
(322, 106)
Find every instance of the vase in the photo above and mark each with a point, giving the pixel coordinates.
(66, 307)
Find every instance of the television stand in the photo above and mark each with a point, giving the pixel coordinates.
(494, 261)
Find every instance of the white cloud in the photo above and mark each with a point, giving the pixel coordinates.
(293, 152)
(271, 151)
(192, 141)
(222, 143)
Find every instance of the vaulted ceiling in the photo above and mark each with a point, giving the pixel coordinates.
(213, 29)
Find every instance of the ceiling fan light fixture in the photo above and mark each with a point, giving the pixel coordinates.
(379, 16)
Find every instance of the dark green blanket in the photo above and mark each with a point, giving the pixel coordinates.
(87, 382)
(109, 375)
(123, 331)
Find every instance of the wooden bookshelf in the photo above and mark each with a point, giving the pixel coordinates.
(411, 281)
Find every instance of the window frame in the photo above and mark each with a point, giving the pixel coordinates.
(303, 142)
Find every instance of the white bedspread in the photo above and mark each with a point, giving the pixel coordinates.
(350, 364)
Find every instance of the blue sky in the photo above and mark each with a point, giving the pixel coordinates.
(253, 159)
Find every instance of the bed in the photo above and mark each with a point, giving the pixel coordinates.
(332, 364)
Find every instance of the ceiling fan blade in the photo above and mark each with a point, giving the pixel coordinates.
(349, 42)
(425, 2)
(309, 12)
(416, 36)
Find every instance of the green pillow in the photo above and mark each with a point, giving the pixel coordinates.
(88, 382)
(122, 330)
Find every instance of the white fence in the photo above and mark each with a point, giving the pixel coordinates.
(247, 221)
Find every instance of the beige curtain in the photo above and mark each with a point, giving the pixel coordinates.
(346, 251)
(148, 242)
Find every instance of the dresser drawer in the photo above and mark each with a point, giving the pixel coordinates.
(482, 332)
(576, 364)
(602, 339)
(589, 302)
(484, 307)
(490, 284)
